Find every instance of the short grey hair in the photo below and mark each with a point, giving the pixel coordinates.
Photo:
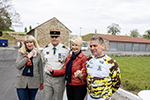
(101, 41)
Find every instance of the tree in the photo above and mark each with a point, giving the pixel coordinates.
(30, 28)
(25, 29)
(134, 33)
(147, 35)
(113, 29)
(8, 16)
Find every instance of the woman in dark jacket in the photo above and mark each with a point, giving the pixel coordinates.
(30, 70)
(75, 63)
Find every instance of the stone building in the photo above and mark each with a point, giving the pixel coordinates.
(125, 43)
(42, 32)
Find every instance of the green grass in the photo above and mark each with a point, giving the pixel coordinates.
(135, 72)
(87, 36)
(10, 38)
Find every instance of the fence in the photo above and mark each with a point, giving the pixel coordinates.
(8, 54)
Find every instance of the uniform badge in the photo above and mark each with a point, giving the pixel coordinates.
(61, 57)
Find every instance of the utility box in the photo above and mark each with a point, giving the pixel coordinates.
(3, 42)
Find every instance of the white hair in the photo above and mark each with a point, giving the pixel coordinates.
(77, 40)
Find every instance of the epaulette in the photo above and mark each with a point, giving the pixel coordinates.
(64, 47)
(46, 46)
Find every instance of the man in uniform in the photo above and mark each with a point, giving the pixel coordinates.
(103, 72)
(54, 56)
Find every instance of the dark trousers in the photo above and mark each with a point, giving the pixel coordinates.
(26, 94)
(76, 92)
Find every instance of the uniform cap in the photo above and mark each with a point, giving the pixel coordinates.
(54, 32)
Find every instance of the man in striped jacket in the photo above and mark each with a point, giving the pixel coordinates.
(103, 72)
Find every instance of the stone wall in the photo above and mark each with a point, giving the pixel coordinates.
(42, 32)
(107, 46)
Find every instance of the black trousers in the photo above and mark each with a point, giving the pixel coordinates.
(76, 92)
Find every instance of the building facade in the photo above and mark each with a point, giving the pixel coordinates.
(42, 32)
(125, 43)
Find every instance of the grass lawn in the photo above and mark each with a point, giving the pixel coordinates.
(135, 72)
(10, 38)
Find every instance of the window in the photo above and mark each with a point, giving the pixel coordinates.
(113, 46)
(136, 47)
(121, 47)
(143, 48)
(148, 48)
(128, 46)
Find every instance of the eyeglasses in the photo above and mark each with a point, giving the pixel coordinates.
(54, 36)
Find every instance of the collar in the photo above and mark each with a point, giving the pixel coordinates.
(57, 47)
(80, 55)
(101, 56)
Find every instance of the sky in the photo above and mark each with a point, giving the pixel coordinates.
(86, 16)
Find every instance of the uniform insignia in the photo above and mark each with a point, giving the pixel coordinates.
(63, 46)
(46, 46)
(61, 57)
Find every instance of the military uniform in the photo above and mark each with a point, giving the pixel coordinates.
(54, 85)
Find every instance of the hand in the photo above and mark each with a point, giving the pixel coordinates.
(41, 86)
(31, 53)
(78, 73)
(49, 68)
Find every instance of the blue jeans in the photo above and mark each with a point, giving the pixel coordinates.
(26, 94)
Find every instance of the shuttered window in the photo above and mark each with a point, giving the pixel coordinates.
(113, 46)
(128, 47)
(136, 47)
(148, 48)
(143, 48)
(121, 46)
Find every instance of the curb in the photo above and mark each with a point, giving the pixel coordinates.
(128, 94)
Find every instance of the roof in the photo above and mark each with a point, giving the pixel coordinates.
(124, 38)
(48, 21)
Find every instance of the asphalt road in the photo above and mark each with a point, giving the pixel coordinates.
(8, 74)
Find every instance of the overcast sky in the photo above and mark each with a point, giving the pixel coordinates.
(86, 16)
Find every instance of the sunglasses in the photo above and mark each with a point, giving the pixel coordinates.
(54, 36)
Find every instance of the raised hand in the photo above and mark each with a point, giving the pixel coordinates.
(31, 53)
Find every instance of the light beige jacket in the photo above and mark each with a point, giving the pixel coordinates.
(31, 82)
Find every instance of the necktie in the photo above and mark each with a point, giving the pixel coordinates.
(54, 50)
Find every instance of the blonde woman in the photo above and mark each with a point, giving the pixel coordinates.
(75, 63)
(30, 71)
